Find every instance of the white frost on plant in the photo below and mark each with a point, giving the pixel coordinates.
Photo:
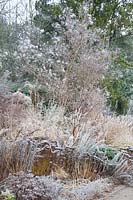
(87, 192)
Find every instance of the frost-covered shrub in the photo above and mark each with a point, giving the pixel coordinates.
(70, 67)
(119, 131)
(13, 108)
(27, 186)
(77, 62)
(87, 191)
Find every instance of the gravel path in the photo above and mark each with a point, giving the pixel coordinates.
(121, 193)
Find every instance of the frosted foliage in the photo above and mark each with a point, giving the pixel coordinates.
(71, 66)
(27, 186)
(89, 191)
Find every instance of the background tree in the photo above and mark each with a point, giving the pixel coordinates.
(114, 17)
(48, 18)
(119, 84)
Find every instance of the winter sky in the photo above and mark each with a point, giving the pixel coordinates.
(21, 7)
